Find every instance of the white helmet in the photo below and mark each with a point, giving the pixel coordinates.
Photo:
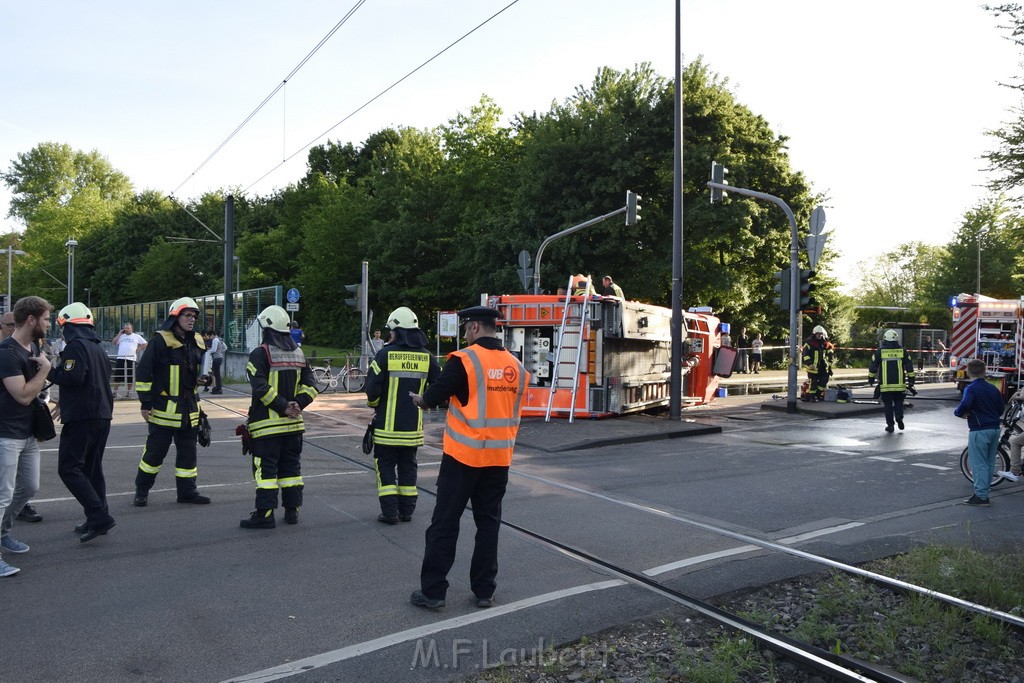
(819, 328)
(181, 305)
(274, 317)
(891, 336)
(403, 318)
(76, 314)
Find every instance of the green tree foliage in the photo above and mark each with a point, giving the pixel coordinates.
(1007, 160)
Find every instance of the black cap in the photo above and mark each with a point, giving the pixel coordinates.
(479, 313)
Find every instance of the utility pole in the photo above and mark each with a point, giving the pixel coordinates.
(71, 244)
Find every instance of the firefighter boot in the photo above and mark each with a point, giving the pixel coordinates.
(259, 519)
(141, 497)
(291, 515)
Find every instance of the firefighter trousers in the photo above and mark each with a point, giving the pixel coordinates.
(397, 494)
(276, 464)
(158, 443)
(80, 466)
(893, 402)
(458, 484)
(818, 383)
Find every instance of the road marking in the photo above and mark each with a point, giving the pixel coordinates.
(140, 446)
(882, 457)
(929, 466)
(300, 666)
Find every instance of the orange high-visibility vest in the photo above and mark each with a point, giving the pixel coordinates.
(482, 433)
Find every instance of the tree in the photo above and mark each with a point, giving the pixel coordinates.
(1007, 160)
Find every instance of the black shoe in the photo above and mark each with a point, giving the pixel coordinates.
(217, 391)
(98, 531)
(404, 518)
(82, 528)
(899, 423)
(259, 519)
(29, 514)
(421, 600)
(206, 390)
(889, 428)
(387, 520)
(979, 502)
(196, 499)
(291, 515)
(141, 500)
(484, 603)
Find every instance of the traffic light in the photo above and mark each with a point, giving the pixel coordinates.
(717, 176)
(806, 287)
(782, 297)
(356, 301)
(632, 207)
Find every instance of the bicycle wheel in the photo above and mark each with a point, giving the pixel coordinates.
(323, 379)
(354, 380)
(1002, 463)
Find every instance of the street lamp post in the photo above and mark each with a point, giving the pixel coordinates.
(11, 252)
(88, 297)
(71, 244)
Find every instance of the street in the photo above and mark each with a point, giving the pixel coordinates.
(178, 592)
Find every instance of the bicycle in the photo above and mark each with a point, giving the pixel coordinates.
(1011, 427)
(349, 376)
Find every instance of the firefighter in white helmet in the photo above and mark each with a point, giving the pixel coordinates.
(402, 367)
(166, 382)
(818, 357)
(893, 368)
(282, 386)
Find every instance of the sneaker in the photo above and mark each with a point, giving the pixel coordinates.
(259, 519)
(29, 514)
(13, 545)
(291, 515)
(1008, 475)
(899, 423)
(980, 502)
(889, 428)
(484, 603)
(421, 600)
(7, 570)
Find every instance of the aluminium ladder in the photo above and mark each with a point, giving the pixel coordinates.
(570, 347)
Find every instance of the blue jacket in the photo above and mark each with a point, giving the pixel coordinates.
(982, 405)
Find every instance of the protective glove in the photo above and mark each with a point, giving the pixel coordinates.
(242, 430)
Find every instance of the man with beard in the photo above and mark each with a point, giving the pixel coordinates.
(23, 371)
(86, 408)
(403, 367)
(282, 386)
(166, 383)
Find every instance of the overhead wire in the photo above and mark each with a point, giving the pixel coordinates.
(381, 94)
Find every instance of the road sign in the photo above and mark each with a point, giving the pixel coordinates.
(291, 306)
(525, 277)
(817, 221)
(815, 247)
(524, 259)
(292, 296)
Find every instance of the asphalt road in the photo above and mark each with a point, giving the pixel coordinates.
(179, 592)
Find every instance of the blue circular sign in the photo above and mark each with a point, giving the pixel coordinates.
(292, 296)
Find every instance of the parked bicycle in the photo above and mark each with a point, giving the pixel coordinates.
(1011, 426)
(349, 376)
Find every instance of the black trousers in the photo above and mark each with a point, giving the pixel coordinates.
(818, 383)
(158, 443)
(215, 371)
(458, 484)
(276, 465)
(397, 494)
(893, 402)
(80, 466)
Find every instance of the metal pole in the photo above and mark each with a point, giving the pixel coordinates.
(229, 252)
(71, 244)
(567, 231)
(675, 354)
(977, 287)
(364, 305)
(10, 298)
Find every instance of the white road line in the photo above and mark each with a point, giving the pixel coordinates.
(929, 466)
(883, 458)
(140, 446)
(317, 661)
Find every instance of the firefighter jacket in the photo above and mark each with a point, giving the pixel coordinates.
(893, 367)
(167, 376)
(486, 384)
(396, 370)
(278, 376)
(818, 356)
(83, 375)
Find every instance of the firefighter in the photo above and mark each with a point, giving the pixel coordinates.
(282, 387)
(403, 367)
(166, 382)
(86, 408)
(893, 367)
(818, 357)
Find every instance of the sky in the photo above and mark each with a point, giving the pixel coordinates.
(885, 102)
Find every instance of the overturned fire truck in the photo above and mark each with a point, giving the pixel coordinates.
(591, 356)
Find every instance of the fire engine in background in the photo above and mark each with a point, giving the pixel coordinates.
(592, 356)
(989, 329)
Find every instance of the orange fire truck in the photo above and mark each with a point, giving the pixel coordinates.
(989, 329)
(592, 356)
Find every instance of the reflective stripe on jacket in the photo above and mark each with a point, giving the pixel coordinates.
(482, 433)
(895, 365)
(818, 357)
(277, 376)
(395, 371)
(166, 379)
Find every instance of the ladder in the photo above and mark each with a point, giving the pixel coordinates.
(569, 350)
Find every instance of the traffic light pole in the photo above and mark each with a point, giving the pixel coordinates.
(567, 231)
(794, 283)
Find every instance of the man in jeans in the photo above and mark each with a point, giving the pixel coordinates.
(23, 371)
(982, 407)
(28, 513)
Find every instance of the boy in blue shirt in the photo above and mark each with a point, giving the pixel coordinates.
(982, 406)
